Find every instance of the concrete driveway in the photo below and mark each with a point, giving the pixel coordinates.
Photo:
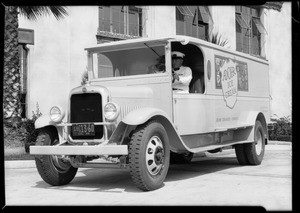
(214, 180)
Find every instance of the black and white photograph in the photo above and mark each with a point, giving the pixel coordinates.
(148, 105)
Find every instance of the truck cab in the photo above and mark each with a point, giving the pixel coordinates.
(126, 116)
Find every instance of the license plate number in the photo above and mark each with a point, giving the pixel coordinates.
(83, 129)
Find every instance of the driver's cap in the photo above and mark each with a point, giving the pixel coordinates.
(176, 54)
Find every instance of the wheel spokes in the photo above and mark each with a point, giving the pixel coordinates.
(154, 155)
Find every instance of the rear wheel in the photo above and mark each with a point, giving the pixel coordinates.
(252, 153)
(149, 156)
(53, 169)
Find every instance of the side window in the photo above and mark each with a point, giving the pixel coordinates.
(195, 61)
(105, 68)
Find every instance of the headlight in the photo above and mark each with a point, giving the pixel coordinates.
(57, 114)
(111, 111)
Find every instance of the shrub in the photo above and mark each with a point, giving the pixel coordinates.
(21, 132)
(84, 77)
(282, 129)
(30, 133)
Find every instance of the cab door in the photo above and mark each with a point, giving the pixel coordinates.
(193, 113)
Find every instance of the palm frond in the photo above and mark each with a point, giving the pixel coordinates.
(216, 38)
(33, 12)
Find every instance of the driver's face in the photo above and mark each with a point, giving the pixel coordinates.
(176, 62)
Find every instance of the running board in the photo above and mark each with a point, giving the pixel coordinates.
(224, 129)
(216, 146)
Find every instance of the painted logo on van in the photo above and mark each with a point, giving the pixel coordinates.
(227, 79)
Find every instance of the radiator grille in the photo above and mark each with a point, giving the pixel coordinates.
(87, 108)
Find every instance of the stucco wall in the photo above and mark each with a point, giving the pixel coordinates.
(57, 59)
(280, 60)
(223, 18)
(160, 21)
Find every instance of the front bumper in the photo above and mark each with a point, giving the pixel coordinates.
(80, 150)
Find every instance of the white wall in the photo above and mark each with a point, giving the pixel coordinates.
(57, 59)
(280, 60)
(224, 23)
(160, 21)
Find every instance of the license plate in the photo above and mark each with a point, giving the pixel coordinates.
(83, 129)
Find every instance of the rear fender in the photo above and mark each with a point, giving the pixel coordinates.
(251, 118)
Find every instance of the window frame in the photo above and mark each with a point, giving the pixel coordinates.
(249, 36)
(193, 25)
(124, 22)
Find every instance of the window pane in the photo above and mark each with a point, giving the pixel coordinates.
(246, 40)
(184, 10)
(202, 32)
(104, 19)
(179, 27)
(188, 28)
(238, 9)
(255, 12)
(117, 19)
(238, 27)
(104, 13)
(239, 41)
(179, 16)
(204, 14)
(133, 24)
(259, 25)
(255, 45)
(105, 68)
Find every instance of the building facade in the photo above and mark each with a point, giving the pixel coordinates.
(54, 63)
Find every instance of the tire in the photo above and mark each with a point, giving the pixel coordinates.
(252, 153)
(52, 168)
(149, 156)
(183, 158)
(240, 154)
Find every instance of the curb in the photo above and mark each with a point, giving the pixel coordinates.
(19, 164)
(279, 142)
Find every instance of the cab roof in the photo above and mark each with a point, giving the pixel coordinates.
(140, 42)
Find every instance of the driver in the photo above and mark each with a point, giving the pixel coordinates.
(182, 75)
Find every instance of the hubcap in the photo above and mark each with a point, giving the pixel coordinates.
(59, 162)
(154, 155)
(259, 143)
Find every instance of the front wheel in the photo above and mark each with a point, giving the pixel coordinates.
(53, 169)
(149, 156)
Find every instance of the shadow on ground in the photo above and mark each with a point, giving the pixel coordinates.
(119, 180)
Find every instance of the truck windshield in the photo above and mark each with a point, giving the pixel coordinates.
(127, 62)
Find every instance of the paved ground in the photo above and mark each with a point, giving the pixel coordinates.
(215, 180)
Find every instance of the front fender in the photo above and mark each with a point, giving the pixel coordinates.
(140, 116)
(43, 121)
